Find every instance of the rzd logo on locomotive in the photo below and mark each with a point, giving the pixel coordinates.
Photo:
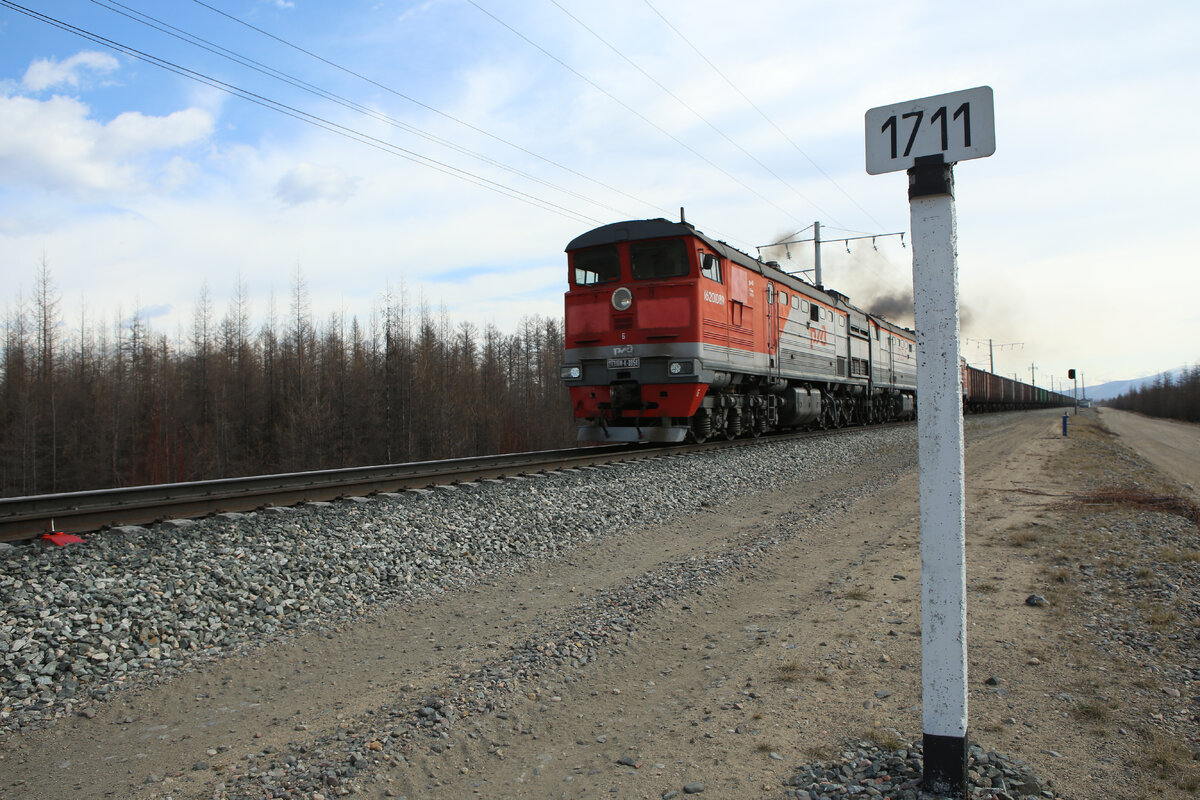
(817, 336)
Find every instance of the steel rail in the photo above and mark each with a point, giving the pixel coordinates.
(75, 512)
(80, 512)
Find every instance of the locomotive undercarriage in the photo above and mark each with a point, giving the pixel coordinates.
(748, 406)
(730, 415)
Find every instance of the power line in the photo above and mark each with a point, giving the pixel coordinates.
(628, 108)
(762, 114)
(306, 117)
(694, 112)
(425, 106)
(291, 80)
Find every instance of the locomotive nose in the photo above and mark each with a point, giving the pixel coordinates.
(626, 395)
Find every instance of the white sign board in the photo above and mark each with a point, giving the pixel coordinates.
(958, 126)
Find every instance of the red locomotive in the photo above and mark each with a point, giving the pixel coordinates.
(671, 335)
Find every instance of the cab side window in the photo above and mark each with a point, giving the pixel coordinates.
(814, 312)
(597, 265)
(710, 266)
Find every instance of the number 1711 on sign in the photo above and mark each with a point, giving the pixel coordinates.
(958, 126)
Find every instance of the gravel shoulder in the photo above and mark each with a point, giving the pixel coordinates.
(727, 648)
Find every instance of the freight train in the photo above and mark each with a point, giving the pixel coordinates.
(672, 336)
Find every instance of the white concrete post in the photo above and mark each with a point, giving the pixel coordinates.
(940, 454)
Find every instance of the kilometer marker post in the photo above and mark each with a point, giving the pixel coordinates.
(942, 494)
(926, 137)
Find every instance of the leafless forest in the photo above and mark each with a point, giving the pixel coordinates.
(1169, 397)
(93, 404)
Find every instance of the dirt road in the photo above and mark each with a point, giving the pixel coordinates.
(1173, 447)
(799, 630)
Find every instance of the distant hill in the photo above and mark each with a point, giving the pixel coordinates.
(1107, 391)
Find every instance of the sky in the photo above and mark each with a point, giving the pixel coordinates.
(449, 150)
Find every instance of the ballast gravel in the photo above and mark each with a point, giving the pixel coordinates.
(870, 771)
(135, 605)
(131, 604)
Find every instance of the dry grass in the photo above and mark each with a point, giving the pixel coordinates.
(1023, 538)
(789, 671)
(1060, 575)
(1160, 618)
(817, 752)
(1172, 556)
(1092, 712)
(1171, 761)
(858, 593)
(1137, 497)
(885, 739)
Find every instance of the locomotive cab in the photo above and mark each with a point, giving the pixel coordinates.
(633, 363)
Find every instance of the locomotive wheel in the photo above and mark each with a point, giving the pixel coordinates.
(733, 424)
(758, 424)
(829, 413)
(700, 427)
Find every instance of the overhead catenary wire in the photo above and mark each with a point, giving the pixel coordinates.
(693, 111)
(762, 114)
(257, 66)
(426, 106)
(631, 110)
(307, 117)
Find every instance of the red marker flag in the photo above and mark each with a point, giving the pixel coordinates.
(62, 539)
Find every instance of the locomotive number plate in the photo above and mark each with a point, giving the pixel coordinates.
(624, 363)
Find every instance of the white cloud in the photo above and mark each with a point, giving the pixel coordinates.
(45, 73)
(416, 11)
(55, 144)
(308, 182)
(133, 132)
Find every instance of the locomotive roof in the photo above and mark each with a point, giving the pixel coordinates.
(634, 230)
(638, 229)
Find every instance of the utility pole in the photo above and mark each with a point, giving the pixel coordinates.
(1033, 375)
(817, 254)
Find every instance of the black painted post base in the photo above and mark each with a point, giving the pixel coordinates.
(945, 765)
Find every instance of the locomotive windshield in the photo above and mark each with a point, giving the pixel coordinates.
(597, 265)
(662, 259)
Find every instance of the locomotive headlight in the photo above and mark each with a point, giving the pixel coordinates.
(570, 373)
(622, 299)
(679, 367)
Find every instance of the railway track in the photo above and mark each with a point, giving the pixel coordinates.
(76, 512)
(23, 518)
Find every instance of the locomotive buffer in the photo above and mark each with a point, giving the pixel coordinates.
(926, 137)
